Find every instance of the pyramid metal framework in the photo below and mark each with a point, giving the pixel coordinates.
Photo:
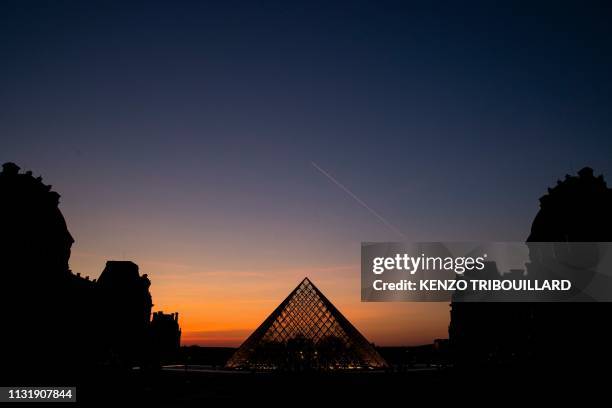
(306, 331)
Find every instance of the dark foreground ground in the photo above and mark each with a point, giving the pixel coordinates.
(180, 388)
(217, 388)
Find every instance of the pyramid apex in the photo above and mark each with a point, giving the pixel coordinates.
(306, 281)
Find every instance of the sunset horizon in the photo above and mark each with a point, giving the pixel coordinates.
(221, 202)
(227, 314)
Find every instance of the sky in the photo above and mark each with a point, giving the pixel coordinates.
(208, 141)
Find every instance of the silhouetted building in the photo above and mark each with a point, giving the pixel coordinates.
(165, 335)
(61, 323)
(578, 209)
(37, 287)
(306, 331)
(126, 303)
(485, 333)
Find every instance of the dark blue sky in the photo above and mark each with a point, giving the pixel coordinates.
(431, 114)
(181, 130)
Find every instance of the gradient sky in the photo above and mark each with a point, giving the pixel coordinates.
(181, 135)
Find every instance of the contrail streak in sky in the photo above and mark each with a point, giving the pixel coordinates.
(360, 201)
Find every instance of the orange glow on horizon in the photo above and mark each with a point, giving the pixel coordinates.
(221, 308)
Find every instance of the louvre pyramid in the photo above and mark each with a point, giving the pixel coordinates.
(306, 331)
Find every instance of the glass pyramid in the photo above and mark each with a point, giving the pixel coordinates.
(304, 332)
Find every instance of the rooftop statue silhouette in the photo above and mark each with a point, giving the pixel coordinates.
(59, 322)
